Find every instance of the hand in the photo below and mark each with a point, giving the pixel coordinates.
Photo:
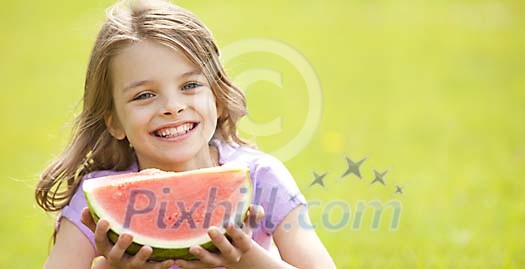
(231, 255)
(115, 256)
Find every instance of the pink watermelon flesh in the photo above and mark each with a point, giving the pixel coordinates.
(170, 211)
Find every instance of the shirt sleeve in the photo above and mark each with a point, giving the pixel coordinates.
(276, 191)
(73, 212)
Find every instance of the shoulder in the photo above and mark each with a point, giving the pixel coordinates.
(254, 159)
(274, 187)
(266, 171)
(78, 199)
(103, 173)
(73, 210)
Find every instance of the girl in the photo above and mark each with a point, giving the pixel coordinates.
(156, 96)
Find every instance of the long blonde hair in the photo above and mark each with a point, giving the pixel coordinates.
(91, 146)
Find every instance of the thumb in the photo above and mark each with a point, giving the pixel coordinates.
(257, 211)
(87, 219)
(254, 216)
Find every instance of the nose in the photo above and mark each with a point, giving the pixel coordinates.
(177, 112)
(172, 106)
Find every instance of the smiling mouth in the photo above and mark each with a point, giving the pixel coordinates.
(175, 131)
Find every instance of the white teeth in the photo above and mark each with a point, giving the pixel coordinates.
(174, 131)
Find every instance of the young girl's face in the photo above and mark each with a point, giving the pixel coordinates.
(164, 106)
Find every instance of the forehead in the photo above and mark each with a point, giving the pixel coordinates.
(148, 60)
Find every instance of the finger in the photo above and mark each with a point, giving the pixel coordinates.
(258, 212)
(140, 258)
(191, 264)
(165, 264)
(227, 250)
(87, 219)
(117, 251)
(254, 216)
(206, 257)
(240, 239)
(101, 240)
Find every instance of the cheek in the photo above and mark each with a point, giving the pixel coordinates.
(208, 107)
(134, 120)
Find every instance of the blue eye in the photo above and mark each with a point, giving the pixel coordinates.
(144, 96)
(190, 86)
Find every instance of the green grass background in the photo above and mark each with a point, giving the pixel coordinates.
(434, 90)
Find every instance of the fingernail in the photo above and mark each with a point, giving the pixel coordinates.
(148, 249)
(126, 237)
(214, 233)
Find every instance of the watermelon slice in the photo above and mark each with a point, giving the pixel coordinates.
(170, 211)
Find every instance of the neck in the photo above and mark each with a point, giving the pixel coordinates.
(208, 157)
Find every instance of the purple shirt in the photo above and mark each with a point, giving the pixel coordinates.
(275, 190)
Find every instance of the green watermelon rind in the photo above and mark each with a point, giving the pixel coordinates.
(161, 254)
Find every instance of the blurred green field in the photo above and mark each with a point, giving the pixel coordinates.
(434, 90)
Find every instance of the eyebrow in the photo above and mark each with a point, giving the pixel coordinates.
(146, 81)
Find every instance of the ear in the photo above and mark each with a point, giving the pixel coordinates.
(114, 127)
